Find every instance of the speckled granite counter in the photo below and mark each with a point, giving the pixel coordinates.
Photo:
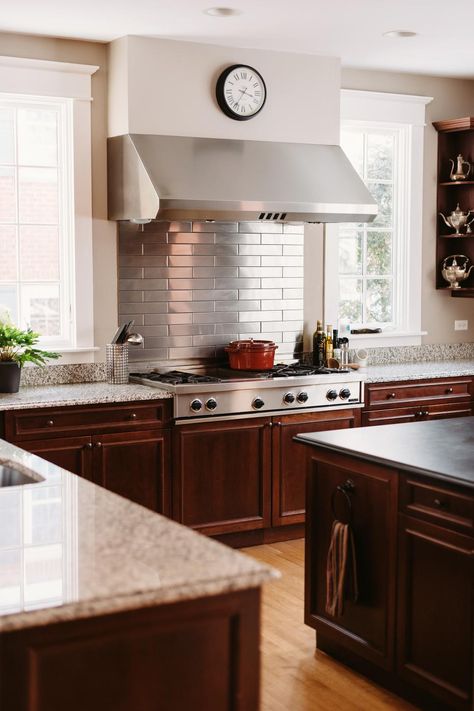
(70, 549)
(417, 371)
(78, 394)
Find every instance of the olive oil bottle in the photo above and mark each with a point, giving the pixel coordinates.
(319, 345)
(329, 344)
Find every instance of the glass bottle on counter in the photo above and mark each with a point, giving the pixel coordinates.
(319, 345)
(329, 344)
(335, 344)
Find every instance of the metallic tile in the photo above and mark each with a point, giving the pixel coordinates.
(293, 272)
(282, 262)
(214, 294)
(273, 304)
(143, 308)
(216, 318)
(134, 297)
(237, 239)
(293, 337)
(237, 261)
(152, 237)
(192, 330)
(295, 249)
(190, 283)
(168, 342)
(138, 318)
(228, 283)
(143, 261)
(296, 228)
(168, 318)
(182, 353)
(245, 294)
(293, 315)
(190, 307)
(215, 272)
(190, 238)
(260, 272)
(148, 354)
(130, 273)
(293, 293)
(215, 226)
(271, 336)
(282, 239)
(237, 305)
(213, 340)
(130, 248)
(190, 261)
(271, 326)
(231, 328)
(168, 295)
(180, 226)
(215, 249)
(153, 331)
(167, 249)
(168, 273)
(282, 283)
(260, 249)
(261, 227)
(257, 316)
(140, 284)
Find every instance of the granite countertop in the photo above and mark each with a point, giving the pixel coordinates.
(78, 394)
(442, 449)
(417, 371)
(70, 549)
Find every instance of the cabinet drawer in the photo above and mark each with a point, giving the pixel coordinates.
(51, 422)
(404, 393)
(416, 413)
(437, 503)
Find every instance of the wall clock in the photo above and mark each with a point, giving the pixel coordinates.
(241, 92)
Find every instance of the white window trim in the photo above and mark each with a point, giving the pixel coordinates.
(406, 114)
(42, 78)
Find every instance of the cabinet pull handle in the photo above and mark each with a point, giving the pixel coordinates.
(50, 423)
(88, 445)
(448, 391)
(133, 416)
(98, 444)
(440, 504)
(391, 396)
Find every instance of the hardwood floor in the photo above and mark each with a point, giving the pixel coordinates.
(296, 677)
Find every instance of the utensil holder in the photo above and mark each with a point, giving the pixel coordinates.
(116, 361)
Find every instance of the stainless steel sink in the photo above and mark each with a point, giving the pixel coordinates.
(13, 477)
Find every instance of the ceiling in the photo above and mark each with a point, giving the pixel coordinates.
(350, 29)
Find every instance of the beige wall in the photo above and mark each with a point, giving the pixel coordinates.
(451, 98)
(104, 232)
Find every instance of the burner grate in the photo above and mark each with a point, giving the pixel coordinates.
(177, 377)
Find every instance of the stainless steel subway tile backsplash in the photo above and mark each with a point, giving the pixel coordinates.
(192, 287)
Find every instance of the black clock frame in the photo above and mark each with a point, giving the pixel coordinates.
(220, 96)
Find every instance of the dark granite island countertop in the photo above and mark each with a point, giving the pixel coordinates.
(442, 449)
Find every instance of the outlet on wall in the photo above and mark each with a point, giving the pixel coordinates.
(460, 325)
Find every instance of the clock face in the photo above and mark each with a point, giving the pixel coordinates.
(240, 92)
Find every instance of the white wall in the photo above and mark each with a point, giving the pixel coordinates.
(171, 91)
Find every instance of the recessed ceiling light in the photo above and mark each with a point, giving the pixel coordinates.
(400, 33)
(222, 11)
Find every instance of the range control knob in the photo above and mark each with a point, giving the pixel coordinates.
(258, 403)
(211, 404)
(331, 394)
(196, 405)
(344, 394)
(289, 398)
(302, 396)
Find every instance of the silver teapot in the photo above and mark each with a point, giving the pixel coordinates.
(459, 173)
(456, 219)
(456, 272)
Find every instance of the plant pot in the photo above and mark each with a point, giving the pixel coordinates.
(10, 373)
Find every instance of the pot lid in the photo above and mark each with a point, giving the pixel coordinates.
(251, 345)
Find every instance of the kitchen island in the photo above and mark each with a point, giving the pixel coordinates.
(104, 604)
(407, 491)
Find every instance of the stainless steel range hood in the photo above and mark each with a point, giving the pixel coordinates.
(178, 178)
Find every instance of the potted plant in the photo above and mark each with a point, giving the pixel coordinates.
(17, 347)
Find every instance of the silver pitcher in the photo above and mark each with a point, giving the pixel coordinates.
(456, 219)
(456, 272)
(459, 173)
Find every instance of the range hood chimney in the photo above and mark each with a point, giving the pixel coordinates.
(178, 178)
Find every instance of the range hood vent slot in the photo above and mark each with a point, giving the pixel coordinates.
(180, 178)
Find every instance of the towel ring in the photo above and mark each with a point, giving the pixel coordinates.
(344, 490)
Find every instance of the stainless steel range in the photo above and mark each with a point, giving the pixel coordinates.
(222, 393)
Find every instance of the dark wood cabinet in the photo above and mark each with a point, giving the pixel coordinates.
(367, 626)
(289, 459)
(134, 465)
(221, 475)
(436, 611)
(71, 453)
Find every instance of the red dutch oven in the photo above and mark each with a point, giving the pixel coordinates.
(251, 355)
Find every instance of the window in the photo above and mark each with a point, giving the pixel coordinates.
(36, 205)
(373, 270)
(46, 201)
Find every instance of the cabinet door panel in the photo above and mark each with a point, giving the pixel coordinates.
(290, 459)
(71, 453)
(221, 479)
(134, 465)
(435, 611)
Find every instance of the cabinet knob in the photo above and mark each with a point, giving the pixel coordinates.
(50, 423)
(98, 444)
(391, 396)
(88, 445)
(133, 416)
(448, 391)
(440, 504)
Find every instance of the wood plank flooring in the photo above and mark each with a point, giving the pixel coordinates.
(296, 677)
